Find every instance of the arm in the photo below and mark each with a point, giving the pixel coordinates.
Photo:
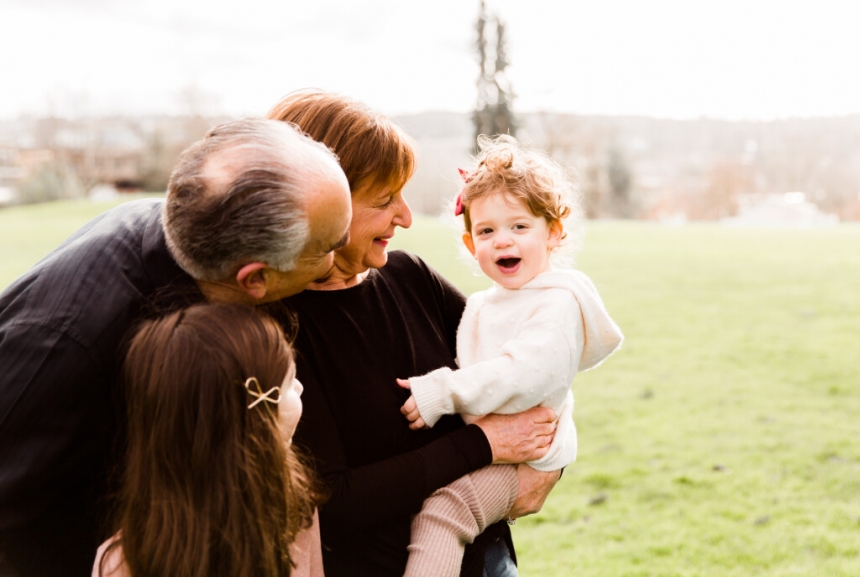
(306, 551)
(362, 497)
(534, 367)
(532, 490)
(55, 420)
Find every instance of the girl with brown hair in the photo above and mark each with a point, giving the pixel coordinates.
(211, 483)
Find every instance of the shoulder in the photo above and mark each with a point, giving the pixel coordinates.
(405, 266)
(93, 278)
(110, 561)
(564, 285)
(402, 262)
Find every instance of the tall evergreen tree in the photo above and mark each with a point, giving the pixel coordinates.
(493, 112)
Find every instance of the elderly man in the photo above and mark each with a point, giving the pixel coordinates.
(253, 214)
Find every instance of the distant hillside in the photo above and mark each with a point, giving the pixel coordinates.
(626, 166)
(698, 168)
(437, 124)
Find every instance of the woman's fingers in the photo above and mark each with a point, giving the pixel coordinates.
(546, 428)
(526, 436)
(542, 414)
(533, 489)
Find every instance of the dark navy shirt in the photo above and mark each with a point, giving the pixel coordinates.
(61, 331)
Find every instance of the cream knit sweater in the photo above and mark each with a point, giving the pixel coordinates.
(516, 349)
(521, 348)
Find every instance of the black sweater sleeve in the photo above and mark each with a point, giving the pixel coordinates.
(365, 497)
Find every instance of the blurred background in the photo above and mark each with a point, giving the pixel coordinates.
(743, 111)
(724, 438)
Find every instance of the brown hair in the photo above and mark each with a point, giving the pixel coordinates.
(372, 149)
(210, 487)
(506, 166)
(213, 228)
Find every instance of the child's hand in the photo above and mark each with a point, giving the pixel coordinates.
(410, 409)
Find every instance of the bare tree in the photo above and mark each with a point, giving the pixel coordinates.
(494, 109)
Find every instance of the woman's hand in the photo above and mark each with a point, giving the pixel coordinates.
(534, 487)
(522, 437)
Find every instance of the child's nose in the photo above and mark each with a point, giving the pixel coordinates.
(502, 240)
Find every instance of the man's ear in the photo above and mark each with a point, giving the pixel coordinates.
(556, 234)
(251, 278)
(469, 242)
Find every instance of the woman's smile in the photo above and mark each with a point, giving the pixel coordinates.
(377, 211)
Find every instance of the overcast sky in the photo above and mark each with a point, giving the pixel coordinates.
(670, 58)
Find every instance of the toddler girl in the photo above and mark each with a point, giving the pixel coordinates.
(519, 343)
(211, 485)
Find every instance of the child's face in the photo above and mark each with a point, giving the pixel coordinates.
(290, 405)
(511, 245)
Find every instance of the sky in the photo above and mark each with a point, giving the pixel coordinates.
(751, 59)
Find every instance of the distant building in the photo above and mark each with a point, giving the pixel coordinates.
(790, 209)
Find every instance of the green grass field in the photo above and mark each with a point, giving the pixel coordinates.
(722, 440)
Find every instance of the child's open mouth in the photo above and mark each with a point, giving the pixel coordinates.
(508, 264)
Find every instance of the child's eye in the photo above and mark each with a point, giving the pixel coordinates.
(484, 231)
(520, 226)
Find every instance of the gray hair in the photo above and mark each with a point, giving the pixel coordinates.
(248, 207)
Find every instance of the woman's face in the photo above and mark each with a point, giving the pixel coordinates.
(376, 212)
(290, 404)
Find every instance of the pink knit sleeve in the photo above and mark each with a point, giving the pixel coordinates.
(306, 551)
(454, 515)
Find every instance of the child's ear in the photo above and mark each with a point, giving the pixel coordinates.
(470, 244)
(556, 234)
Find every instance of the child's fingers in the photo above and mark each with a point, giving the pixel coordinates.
(409, 407)
(410, 411)
(403, 383)
(414, 416)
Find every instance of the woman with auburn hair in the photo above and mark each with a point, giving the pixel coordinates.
(375, 317)
(211, 484)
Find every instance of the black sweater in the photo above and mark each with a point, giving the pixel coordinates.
(352, 344)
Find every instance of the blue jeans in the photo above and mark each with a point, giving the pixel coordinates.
(497, 560)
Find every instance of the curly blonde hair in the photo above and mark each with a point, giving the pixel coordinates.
(504, 165)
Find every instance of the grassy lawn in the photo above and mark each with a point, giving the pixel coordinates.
(722, 440)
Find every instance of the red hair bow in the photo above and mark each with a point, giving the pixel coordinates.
(458, 207)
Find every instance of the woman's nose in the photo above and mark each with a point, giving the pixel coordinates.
(403, 217)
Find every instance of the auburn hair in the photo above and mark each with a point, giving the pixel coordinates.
(506, 166)
(210, 486)
(373, 151)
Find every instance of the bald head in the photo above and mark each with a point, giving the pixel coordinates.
(242, 195)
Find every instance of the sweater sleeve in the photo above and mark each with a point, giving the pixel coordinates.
(533, 368)
(46, 396)
(306, 551)
(363, 497)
